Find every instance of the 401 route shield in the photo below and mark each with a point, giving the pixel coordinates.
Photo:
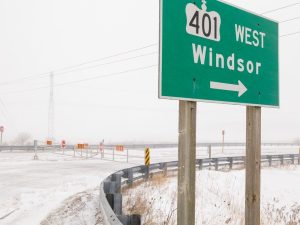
(211, 51)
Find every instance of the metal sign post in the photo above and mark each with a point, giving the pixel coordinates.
(186, 163)
(253, 161)
(35, 150)
(223, 140)
(63, 145)
(101, 147)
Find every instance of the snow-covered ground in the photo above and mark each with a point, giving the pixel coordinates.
(30, 190)
(62, 189)
(79, 209)
(220, 198)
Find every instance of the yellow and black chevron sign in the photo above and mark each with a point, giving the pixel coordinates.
(147, 156)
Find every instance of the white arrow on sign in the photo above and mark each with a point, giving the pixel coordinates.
(240, 87)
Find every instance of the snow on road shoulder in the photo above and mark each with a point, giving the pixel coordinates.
(30, 189)
(81, 208)
(219, 198)
(281, 195)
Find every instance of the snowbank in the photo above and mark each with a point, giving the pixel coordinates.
(220, 198)
(30, 189)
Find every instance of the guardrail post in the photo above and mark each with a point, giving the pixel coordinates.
(216, 164)
(127, 159)
(115, 201)
(164, 167)
(109, 187)
(293, 159)
(133, 219)
(209, 151)
(113, 154)
(244, 160)
(210, 161)
(281, 160)
(146, 172)
(112, 190)
(200, 162)
(128, 173)
(116, 177)
(35, 150)
(230, 163)
(270, 160)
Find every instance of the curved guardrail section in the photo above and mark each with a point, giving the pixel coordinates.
(110, 188)
(108, 214)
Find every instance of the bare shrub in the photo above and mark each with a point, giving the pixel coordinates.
(143, 203)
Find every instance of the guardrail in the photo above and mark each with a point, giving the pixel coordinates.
(110, 188)
(160, 152)
(141, 146)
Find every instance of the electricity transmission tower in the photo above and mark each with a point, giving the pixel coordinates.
(51, 110)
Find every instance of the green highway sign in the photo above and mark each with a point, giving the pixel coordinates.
(215, 52)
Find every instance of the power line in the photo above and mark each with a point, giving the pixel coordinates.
(112, 74)
(106, 57)
(85, 68)
(86, 79)
(288, 20)
(108, 63)
(290, 34)
(42, 75)
(78, 65)
(106, 75)
(283, 7)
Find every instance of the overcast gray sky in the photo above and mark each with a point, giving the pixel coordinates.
(42, 36)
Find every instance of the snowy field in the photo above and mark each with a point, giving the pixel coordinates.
(55, 189)
(220, 198)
